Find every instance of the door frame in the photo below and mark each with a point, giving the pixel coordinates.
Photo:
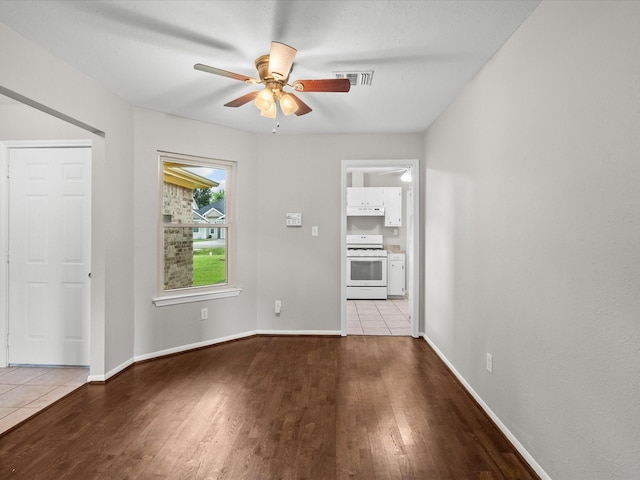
(412, 261)
(5, 147)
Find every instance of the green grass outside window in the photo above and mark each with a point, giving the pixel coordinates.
(209, 266)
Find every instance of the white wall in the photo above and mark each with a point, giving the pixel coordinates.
(19, 122)
(276, 174)
(164, 328)
(302, 173)
(65, 90)
(533, 235)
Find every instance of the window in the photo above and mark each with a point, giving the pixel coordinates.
(197, 261)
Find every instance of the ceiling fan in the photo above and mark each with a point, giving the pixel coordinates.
(405, 171)
(273, 70)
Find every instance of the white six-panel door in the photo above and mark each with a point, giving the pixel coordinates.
(49, 255)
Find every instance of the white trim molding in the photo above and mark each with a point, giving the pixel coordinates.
(317, 333)
(103, 378)
(195, 297)
(412, 226)
(192, 346)
(507, 433)
(207, 343)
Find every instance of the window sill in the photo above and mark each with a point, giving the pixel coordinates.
(195, 297)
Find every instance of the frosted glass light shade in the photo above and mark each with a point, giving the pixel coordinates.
(265, 100)
(288, 104)
(269, 112)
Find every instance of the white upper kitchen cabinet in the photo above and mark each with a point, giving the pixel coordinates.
(365, 196)
(393, 207)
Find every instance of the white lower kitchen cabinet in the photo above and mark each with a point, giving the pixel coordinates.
(396, 277)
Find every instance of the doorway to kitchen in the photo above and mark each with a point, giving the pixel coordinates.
(379, 251)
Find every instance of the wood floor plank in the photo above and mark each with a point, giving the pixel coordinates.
(270, 408)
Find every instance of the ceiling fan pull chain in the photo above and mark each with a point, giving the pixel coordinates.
(276, 123)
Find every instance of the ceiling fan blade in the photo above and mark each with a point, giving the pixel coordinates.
(392, 171)
(224, 73)
(238, 102)
(326, 85)
(303, 108)
(280, 60)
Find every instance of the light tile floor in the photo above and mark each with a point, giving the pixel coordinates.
(26, 390)
(378, 317)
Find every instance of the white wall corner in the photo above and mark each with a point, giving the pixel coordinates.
(507, 433)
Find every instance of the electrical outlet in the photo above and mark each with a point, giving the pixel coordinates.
(489, 362)
(278, 306)
(204, 313)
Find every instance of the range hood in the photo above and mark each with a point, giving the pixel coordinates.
(365, 211)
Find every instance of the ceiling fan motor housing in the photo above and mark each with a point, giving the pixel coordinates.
(262, 65)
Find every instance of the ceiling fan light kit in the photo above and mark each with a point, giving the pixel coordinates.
(269, 112)
(273, 70)
(288, 104)
(264, 100)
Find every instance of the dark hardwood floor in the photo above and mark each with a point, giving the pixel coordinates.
(269, 408)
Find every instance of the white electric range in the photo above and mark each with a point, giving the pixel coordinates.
(366, 267)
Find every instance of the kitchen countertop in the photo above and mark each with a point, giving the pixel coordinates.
(393, 249)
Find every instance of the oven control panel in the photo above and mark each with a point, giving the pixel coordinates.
(366, 253)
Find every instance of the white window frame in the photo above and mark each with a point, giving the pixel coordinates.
(205, 292)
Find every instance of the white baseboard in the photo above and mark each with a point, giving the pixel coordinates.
(300, 332)
(191, 346)
(507, 433)
(110, 373)
(206, 343)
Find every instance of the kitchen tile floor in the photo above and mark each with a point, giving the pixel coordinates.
(378, 317)
(26, 390)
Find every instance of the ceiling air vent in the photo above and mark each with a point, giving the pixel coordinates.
(356, 78)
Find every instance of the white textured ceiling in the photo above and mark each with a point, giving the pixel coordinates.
(422, 53)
